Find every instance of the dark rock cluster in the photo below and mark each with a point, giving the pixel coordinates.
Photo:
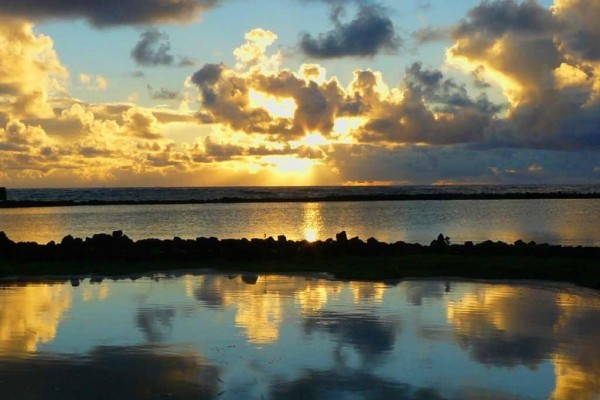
(118, 247)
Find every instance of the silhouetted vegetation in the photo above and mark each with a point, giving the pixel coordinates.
(348, 258)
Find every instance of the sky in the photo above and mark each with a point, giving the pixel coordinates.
(298, 92)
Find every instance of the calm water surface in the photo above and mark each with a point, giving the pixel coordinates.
(280, 337)
(567, 222)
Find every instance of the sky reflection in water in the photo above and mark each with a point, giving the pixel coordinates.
(240, 337)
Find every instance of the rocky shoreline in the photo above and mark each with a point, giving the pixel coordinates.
(343, 257)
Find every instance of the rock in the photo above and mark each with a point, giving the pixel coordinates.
(341, 237)
(2, 193)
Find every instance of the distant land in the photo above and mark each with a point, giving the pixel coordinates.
(315, 198)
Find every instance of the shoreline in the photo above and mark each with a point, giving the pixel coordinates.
(77, 280)
(341, 258)
(8, 204)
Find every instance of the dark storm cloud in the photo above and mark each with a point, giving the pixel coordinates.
(369, 33)
(501, 16)
(534, 50)
(205, 78)
(582, 30)
(433, 109)
(109, 12)
(462, 164)
(445, 92)
(153, 49)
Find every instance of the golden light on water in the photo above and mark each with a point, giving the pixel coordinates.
(31, 315)
(260, 316)
(310, 234)
(312, 225)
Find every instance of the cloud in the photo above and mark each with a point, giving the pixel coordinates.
(257, 97)
(478, 75)
(162, 93)
(580, 17)
(153, 49)
(186, 62)
(92, 82)
(431, 34)
(137, 74)
(460, 164)
(552, 91)
(256, 113)
(140, 123)
(31, 70)
(109, 12)
(431, 109)
(369, 33)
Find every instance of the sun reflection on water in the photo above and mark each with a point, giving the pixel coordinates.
(312, 223)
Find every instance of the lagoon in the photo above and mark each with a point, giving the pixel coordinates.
(228, 336)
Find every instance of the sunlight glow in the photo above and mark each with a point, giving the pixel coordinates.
(277, 107)
(286, 164)
(511, 89)
(344, 126)
(314, 139)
